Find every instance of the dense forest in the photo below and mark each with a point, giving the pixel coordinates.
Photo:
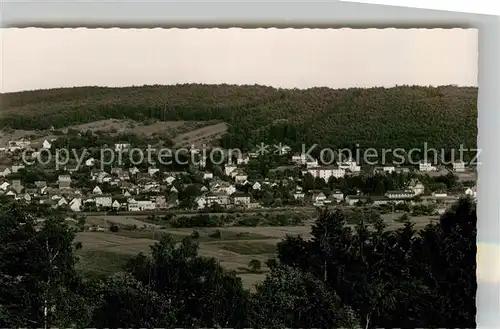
(343, 277)
(399, 117)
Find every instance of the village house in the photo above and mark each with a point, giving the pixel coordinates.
(318, 199)
(417, 187)
(90, 162)
(459, 166)
(97, 190)
(439, 194)
(313, 163)
(298, 194)
(116, 205)
(239, 176)
(208, 175)
(5, 172)
(242, 160)
(400, 194)
(389, 169)
(326, 172)
(228, 169)
(471, 191)
(133, 205)
(134, 171)
(17, 186)
(337, 195)
(240, 199)
(256, 186)
(153, 170)
(103, 201)
(76, 205)
(352, 200)
(220, 198)
(299, 159)
(64, 181)
(425, 166)
(46, 145)
(18, 145)
(350, 165)
(16, 168)
(169, 180)
(4, 186)
(145, 205)
(121, 147)
(161, 202)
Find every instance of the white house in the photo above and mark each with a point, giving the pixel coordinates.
(15, 168)
(240, 177)
(229, 169)
(134, 170)
(4, 186)
(153, 170)
(417, 187)
(298, 194)
(312, 163)
(97, 190)
(76, 204)
(350, 165)
(169, 180)
(62, 202)
(90, 162)
(338, 195)
(256, 186)
(119, 147)
(319, 199)
(229, 189)
(405, 194)
(242, 160)
(426, 166)
(299, 159)
(208, 175)
(46, 145)
(146, 205)
(439, 194)
(219, 198)
(471, 191)
(241, 199)
(326, 172)
(5, 172)
(103, 201)
(200, 202)
(116, 205)
(459, 166)
(389, 169)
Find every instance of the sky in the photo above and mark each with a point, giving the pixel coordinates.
(34, 58)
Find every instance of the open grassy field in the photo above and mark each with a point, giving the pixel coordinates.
(107, 252)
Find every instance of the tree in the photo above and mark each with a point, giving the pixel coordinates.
(291, 298)
(37, 266)
(254, 265)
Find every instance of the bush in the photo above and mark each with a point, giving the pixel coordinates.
(114, 228)
(254, 265)
(216, 235)
(195, 235)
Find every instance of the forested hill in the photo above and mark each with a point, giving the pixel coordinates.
(403, 116)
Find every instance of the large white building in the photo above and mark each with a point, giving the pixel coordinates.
(350, 165)
(326, 172)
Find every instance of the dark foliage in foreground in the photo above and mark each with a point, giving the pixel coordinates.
(342, 277)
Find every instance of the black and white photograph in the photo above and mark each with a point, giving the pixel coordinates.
(238, 177)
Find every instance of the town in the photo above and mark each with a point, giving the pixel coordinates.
(240, 183)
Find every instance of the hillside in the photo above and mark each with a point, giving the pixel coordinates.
(405, 116)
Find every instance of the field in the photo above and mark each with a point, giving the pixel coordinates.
(183, 133)
(107, 252)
